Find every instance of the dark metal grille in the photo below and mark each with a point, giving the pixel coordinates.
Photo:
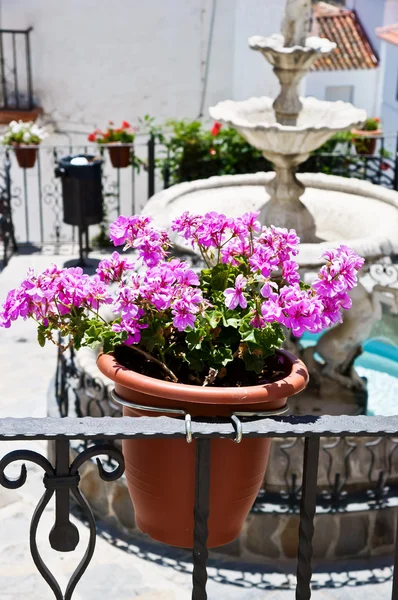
(16, 70)
(63, 477)
(35, 196)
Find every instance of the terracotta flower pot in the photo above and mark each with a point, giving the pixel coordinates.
(119, 155)
(161, 473)
(26, 156)
(365, 141)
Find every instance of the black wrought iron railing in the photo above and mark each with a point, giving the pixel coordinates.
(34, 195)
(62, 478)
(16, 70)
(379, 168)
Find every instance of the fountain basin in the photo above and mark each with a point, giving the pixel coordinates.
(346, 211)
(316, 123)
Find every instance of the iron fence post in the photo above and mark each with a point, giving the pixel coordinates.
(201, 515)
(29, 68)
(307, 513)
(151, 166)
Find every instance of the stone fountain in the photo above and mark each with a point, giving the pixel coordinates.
(289, 128)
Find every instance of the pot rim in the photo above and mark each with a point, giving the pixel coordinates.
(289, 385)
(365, 133)
(23, 146)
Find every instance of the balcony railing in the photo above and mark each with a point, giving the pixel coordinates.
(34, 196)
(62, 478)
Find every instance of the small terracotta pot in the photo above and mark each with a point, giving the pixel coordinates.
(119, 155)
(365, 141)
(161, 473)
(26, 157)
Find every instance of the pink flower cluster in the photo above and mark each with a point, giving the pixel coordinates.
(137, 232)
(112, 270)
(270, 251)
(53, 293)
(258, 263)
(169, 285)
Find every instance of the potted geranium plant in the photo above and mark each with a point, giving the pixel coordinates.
(365, 139)
(115, 139)
(24, 137)
(208, 344)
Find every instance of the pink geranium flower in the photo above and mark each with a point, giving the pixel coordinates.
(234, 296)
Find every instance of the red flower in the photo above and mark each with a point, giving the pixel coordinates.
(126, 125)
(377, 119)
(111, 123)
(107, 134)
(216, 128)
(212, 151)
(384, 166)
(92, 137)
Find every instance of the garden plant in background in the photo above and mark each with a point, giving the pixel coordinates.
(24, 137)
(365, 138)
(207, 344)
(119, 141)
(194, 150)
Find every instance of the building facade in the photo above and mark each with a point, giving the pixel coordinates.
(98, 60)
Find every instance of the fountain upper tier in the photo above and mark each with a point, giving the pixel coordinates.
(317, 122)
(290, 63)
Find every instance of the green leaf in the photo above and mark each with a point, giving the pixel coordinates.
(153, 335)
(213, 317)
(194, 340)
(248, 333)
(253, 362)
(222, 355)
(41, 338)
(219, 277)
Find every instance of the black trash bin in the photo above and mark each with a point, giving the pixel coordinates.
(81, 194)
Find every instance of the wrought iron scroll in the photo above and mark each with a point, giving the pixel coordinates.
(61, 480)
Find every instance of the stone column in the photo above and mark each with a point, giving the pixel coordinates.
(284, 208)
(297, 22)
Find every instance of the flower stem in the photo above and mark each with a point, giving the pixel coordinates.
(156, 361)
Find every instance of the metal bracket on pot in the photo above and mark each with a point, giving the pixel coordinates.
(188, 420)
(237, 423)
(173, 411)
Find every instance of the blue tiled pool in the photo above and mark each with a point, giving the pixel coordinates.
(379, 364)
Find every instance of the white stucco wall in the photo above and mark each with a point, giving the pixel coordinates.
(390, 12)
(253, 75)
(98, 60)
(364, 82)
(389, 103)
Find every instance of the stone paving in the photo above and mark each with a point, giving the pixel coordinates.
(114, 573)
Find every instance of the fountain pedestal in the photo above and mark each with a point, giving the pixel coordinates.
(287, 147)
(284, 207)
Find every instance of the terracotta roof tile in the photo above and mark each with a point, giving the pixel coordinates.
(354, 50)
